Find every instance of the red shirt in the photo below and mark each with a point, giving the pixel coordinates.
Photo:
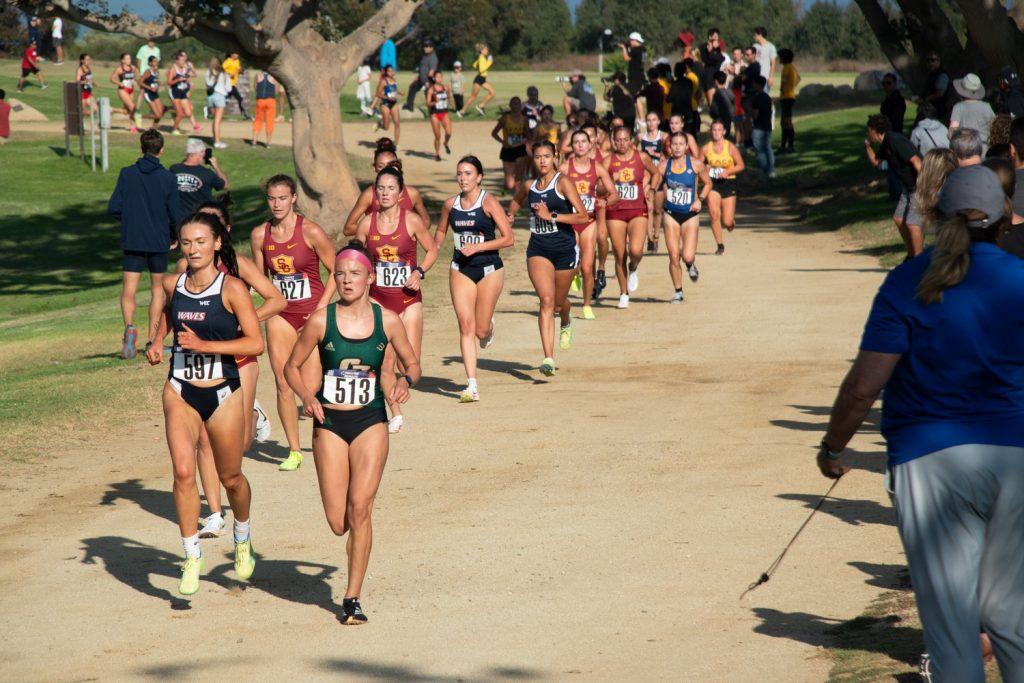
(5, 120)
(29, 59)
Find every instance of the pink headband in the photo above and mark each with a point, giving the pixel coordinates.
(356, 254)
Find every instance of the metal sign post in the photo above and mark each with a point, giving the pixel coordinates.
(104, 107)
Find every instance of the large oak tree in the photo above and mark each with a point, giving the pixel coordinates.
(296, 44)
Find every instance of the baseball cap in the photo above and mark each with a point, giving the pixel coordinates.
(635, 35)
(576, 72)
(973, 187)
(457, 64)
(686, 38)
(428, 42)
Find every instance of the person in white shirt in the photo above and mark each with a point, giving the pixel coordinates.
(363, 93)
(218, 87)
(767, 55)
(58, 39)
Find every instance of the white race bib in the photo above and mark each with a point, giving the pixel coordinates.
(716, 172)
(194, 367)
(463, 239)
(392, 274)
(588, 202)
(626, 190)
(515, 140)
(539, 226)
(292, 287)
(354, 388)
(680, 196)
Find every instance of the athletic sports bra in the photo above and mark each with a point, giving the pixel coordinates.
(680, 187)
(651, 147)
(718, 163)
(629, 181)
(294, 268)
(586, 184)
(265, 88)
(352, 366)
(205, 314)
(87, 83)
(541, 228)
(514, 131)
(127, 78)
(471, 225)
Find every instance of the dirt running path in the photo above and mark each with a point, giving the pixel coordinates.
(602, 523)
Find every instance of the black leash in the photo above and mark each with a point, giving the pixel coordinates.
(767, 574)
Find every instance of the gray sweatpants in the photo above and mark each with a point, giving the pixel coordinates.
(961, 517)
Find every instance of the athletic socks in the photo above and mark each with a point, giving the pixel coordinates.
(471, 384)
(191, 545)
(241, 531)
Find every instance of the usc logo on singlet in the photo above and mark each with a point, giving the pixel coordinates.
(283, 264)
(387, 254)
(582, 187)
(626, 174)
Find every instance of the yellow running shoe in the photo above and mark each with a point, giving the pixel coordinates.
(292, 462)
(576, 286)
(565, 337)
(244, 562)
(190, 575)
(588, 313)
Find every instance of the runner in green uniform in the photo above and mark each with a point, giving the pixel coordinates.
(350, 436)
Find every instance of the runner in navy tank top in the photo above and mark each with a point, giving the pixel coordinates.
(213, 320)
(480, 228)
(684, 198)
(552, 255)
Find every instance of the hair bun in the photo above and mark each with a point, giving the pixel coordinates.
(385, 145)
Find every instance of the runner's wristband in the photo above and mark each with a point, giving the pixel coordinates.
(408, 379)
(829, 453)
(423, 274)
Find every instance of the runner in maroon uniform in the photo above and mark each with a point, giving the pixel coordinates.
(627, 220)
(585, 172)
(290, 250)
(410, 200)
(391, 234)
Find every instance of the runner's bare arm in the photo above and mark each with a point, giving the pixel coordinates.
(155, 351)
(649, 166)
(114, 74)
(737, 161)
(360, 208)
(324, 248)
(362, 228)
(418, 231)
(497, 128)
(442, 222)
(492, 207)
(692, 146)
(311, 334)
(418, 206)
(395, 330)
(256, 245)
(604, 179)
(273, 301)
(579, 215)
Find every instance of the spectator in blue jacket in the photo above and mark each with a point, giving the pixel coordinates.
(146, 202)
(388, 55)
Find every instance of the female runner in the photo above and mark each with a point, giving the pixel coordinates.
(256, 422)
(411, 199)
(291, 250)
(124, 78)
(515, 133)
(600, 148)
(484, 62)
(724, 162)
(84, 77)
(350, 443)
(551, 255)
(387, 99)
(439, 95)
(681, 217)
(213, 320)
(652, 141)
(151, 90)
(480, 228)
(391, 235)
(632, 171)
(586, 173)
(179, 84)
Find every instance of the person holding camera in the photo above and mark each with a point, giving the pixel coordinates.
(196, 182)
(618, 94)
(578, 93)
(634, 53)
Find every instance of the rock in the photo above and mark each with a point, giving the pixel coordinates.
(844, 90)
(871, 81)
(817, 90)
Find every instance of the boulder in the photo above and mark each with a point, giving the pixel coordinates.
(817, 90)
(871, 81)
(844, 90)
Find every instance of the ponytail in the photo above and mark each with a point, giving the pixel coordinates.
(951, 258)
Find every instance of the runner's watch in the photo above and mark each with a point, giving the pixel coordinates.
(423, 275)
(829, 453)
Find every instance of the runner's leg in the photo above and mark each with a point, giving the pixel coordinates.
(281, 338)
(367, 456)
(542, 275)
(617, 232)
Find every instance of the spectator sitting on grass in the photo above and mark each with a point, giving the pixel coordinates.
(5, 118)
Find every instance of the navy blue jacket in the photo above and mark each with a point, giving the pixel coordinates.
(147, 203)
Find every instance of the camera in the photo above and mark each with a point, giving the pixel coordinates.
(207, 155)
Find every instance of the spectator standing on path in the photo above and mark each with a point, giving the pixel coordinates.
(761, 112)
(29, 66)
(150, 49)
(363, 92)
(943, 340)
(767, 55)
(1009, 97)
(218, 87)
(894, 107)
(266, 89)
(146, 202)
(388, 55)
(57, 35)
(972, 111)
(578, 94)
(903, 160)
(929, 133)
(966, 144)
(787, 96)
(425, 75)
(5, 118)
(1017, 149)
(634, 52)
(232, 66)
(196, 182)
(937, 87)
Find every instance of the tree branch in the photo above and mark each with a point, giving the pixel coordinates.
(386, 22)
(889, 40)
(160, 31)
(993, 33)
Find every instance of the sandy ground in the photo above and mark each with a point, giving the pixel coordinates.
(600, 524)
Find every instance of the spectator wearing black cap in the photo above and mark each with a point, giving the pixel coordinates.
(944, 340)
(1008, 98)
(425, 75)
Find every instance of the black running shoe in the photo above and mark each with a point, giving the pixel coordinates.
(720, 250)
(352, 613)
(599, 284)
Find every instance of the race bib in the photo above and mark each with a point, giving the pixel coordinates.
(354, 388)
(463, 239)
(539, 226)
(680, 196)
(716, 172)
(392, 273)
(292, 287)
(194, 367)
(588, 202)
(515, 140)
(626, 190)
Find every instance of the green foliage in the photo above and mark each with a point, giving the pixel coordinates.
(108, 47)
(833, 32)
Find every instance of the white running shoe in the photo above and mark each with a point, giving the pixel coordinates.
(677, 298)
(633, 283)
(220, 145)
(486, 341)
(395, 424)
(212, 526)
(262, 423)
(623, 301)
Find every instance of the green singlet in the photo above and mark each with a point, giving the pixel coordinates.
(352, 366)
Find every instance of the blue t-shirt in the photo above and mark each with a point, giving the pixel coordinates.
(960, 379)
